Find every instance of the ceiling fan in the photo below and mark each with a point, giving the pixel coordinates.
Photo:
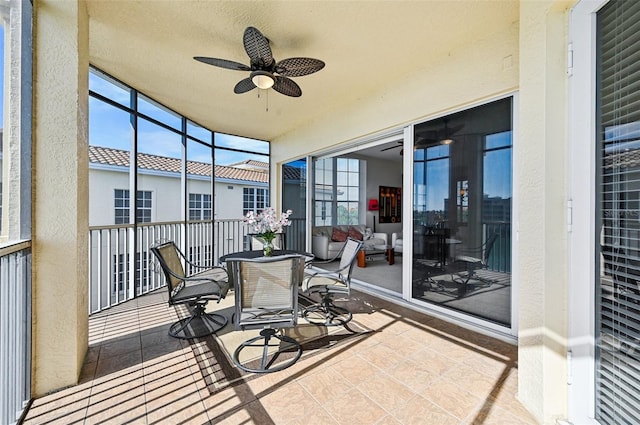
(428, 138)
(265, 71)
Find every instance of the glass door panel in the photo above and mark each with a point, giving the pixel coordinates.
(462, 212)
(294, 198)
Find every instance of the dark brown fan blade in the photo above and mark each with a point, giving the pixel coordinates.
(454, 129)
(244, 86)
(223, 63)
(424, 142)
(297, 67)
(257, 47)
(287, 87)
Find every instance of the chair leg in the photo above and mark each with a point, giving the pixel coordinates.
(199, 324)
(269, 360)
(463, 278)
(326, 313)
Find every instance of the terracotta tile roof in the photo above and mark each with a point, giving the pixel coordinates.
(250, 162)
(624, 159)
(117, 157)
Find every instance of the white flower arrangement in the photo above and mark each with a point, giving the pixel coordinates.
(266, 224)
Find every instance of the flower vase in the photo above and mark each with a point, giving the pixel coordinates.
(267, 249)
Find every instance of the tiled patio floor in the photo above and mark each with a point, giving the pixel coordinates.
(414, 369)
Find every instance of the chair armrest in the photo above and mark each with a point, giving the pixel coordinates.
(382, 236)
(320, 246)
(322, 274)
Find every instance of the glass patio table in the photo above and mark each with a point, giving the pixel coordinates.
(258, 253)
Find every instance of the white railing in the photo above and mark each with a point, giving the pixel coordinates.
(15, 330)
(116, 251)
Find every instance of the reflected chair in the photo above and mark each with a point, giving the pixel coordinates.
(328, 284)
(266, 297)
(255, 242)
(472, 263)
(195, 291)
(432, 258)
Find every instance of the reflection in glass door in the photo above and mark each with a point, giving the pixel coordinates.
(462, 212)
(294, 198)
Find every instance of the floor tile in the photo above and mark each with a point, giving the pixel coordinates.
(386, 392)
(354, 408)
(406, 371)
(290, 404)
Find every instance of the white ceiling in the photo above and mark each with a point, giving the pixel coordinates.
(366, 45)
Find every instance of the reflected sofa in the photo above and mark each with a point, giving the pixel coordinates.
(327, 241)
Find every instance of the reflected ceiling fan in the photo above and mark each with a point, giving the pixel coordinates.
(265, 71)
(427, 138)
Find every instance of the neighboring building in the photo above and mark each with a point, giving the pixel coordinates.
(238, 188)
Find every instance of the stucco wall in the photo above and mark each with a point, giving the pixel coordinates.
(478, 70)
(529, 57)
(541, 160)
(60, 194)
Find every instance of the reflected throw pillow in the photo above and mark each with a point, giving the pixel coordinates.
(339, 235)
(355, 233)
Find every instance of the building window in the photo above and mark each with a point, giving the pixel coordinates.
(121, 203)
(254, 199)
(200, 255)
(199, 206)
(143, 207)
(121, 272)
(617, 228)
(121, 206)
(337, 191)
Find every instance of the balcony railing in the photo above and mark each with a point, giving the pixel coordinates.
(15, 330)
(121, 266)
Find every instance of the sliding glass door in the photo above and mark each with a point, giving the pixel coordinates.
(294, 198)
(462, 191)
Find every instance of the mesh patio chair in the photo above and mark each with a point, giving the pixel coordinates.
(266, 297)
(472, 260)
(195, 291)
(329, 284)
(431, 259)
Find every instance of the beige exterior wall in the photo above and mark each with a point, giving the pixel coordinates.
(60, 196)
(479, 70)
(530, 58)
(541, 161)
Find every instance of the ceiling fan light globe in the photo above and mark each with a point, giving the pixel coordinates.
(262, 79)
(446, 141)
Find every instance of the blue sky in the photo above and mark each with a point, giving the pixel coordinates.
(110, 127)
(496, 182)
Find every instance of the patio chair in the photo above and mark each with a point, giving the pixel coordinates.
(195, 291)
(266, 297)
(328, 284)
(472, 263)
(431, 259)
